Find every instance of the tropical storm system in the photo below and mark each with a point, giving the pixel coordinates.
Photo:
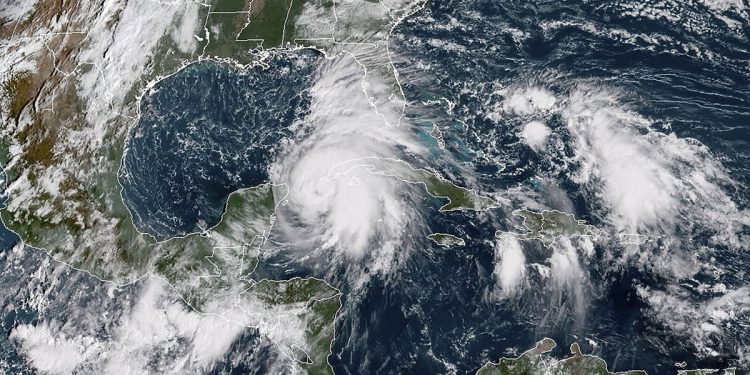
(375, 187)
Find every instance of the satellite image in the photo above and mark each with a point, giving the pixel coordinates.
(515, 187)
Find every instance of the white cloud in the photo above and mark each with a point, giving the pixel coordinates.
(534, 134)
(116, 68)
(50, 351)
(189, 26)
(697, 321)
(649, 181)
(528, 100)
(567, 275)
(16, 10)
(356, 213)
(157, 324)
(510, 266)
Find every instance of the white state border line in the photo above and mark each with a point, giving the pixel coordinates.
(376, 171)
(181, 297)
(526, 236)
(415, 7)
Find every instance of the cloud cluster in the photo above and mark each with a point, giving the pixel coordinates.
(661, 202)
(355, 213)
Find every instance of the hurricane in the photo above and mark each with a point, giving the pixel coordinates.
(353, 214)
(375, 187)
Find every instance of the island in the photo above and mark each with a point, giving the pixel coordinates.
(446, 240)
(547, 225)
(538, 361)
(70, 99)
(458, 198)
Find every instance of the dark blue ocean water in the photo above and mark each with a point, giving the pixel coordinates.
(12, 313)
(7, 238)
(36, 290)
(434, 314)
(213, 128)
(206, 131)
(694, 82)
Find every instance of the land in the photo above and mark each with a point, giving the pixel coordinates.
(547, 225)
(69, 96)
(71, 82)
(538, 361)
(446, 240)
(69, 110)
(530, 362)
(579, 363)
(71, 78)
(729, 371)
(241, 30)
(458, 198)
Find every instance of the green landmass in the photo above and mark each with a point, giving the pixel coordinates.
(228, 6)
(268, 20)
(237, 27)
(547, 225)
(729, 371)
(211, 271)
(4, 151)
(84, 221)
(222, 38)
(217, 265)
(530, 362)
(584, 364)
(537, 361)
(459, 198)
(446, 240)
(321, 304)
(221, 256)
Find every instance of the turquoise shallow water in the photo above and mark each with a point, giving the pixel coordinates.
(212, 129)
